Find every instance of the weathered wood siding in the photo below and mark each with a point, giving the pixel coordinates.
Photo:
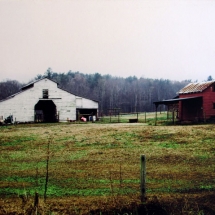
(18, 106)
(86, 103)
(208, 102)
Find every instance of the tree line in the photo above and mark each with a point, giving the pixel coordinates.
(130, 94)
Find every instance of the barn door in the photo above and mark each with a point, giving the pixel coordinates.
(45, 111)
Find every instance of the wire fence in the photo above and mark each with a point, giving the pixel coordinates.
(142, 117)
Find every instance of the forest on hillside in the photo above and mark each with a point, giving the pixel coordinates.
(130, 94)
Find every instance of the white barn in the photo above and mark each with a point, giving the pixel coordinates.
(44, 101)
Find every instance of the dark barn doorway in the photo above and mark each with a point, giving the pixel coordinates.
(192, 109)
(45, 111)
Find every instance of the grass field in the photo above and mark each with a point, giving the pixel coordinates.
(94, 168)
(147, 117)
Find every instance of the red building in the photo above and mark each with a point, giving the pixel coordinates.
(195, 102)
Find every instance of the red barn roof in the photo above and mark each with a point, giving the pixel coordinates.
(196, 87)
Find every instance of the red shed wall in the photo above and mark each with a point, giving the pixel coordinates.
(208, 100)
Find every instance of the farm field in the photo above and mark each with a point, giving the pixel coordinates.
(94, 168)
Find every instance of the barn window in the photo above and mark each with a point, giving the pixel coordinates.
(213, 105)
(45, 94)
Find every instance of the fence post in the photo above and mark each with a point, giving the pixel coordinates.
(36, 203)
(156, 115)
(36, 200)
(143, 178)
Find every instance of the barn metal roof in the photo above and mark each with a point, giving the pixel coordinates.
(30, 85)
(196, 87)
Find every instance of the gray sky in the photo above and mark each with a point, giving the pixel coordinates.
(169, 39)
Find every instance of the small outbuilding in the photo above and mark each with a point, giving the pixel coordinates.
(195, 102)
(44, 101)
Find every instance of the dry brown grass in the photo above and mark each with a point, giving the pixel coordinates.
(96, 167)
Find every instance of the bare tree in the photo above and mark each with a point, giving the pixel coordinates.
(8, 88)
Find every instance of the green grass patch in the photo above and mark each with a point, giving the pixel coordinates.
(18, 141)
(99, 159)
(170, 145)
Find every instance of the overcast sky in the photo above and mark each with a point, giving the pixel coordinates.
(168, 39)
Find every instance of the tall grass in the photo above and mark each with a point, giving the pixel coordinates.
(100, 163)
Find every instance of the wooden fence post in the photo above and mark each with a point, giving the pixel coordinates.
(36, 200)
(143, 178)
(36, 203)
(156, 108)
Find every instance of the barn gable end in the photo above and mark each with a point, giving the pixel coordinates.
(42, 100)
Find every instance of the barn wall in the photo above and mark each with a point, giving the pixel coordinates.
(86, 103)
(79, 102)
(18, 106)
(64, 101)
(208, 98)
(22, 105)
(66, 106)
